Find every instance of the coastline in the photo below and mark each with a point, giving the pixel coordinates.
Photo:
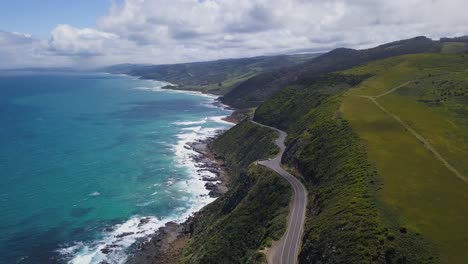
(144, 234)
(167, 243)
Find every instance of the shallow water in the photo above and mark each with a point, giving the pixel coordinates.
(84, 157)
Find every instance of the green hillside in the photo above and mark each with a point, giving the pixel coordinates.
(253, 213)
(346, 222)
(257, 89)
(379, 194)
(212, 76)
(426, 194)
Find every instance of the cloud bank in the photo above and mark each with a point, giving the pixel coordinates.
(158, 31)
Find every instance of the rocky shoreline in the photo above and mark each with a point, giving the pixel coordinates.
(206, 162)
(167, 244)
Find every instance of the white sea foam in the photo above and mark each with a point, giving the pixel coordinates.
(194, 187)
(189, 123)
(189, 92)
(117, 241)
(139, 228)
(160, 85)
(145, 203)
(219, 119)
(144, 88)
(95, 194)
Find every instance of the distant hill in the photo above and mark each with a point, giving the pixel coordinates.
(257, 89)
(211, 76)
(248, 82)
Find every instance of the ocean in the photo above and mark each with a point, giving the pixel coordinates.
(90, 160)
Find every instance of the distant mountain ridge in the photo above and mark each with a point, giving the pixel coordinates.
(248, 82)
(213, 76)
(256, 90)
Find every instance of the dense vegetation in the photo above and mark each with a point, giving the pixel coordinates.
(297, 100)
(345, 221)
(253, 212)
(212, 76)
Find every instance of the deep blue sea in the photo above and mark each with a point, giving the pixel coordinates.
(85, 157)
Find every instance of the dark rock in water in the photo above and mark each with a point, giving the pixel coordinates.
(209, 179)
(109, 229)
(210, 186)
(143, 221)
(215, 189)
(215, 193)
(106, 250)
(109, 248)
(124, 234)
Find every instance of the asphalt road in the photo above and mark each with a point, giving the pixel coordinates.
(285, 250)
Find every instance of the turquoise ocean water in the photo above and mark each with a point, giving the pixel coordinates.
(85, 157)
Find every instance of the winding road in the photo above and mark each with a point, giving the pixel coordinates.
(285, 250)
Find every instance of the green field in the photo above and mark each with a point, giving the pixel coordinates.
(454, 47)
(425, 194)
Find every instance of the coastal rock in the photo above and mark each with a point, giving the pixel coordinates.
(209, 178)
(124, 234)
(166, 245)
(210, 186)
(143, 221)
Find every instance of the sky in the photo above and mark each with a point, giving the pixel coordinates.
(94, 33)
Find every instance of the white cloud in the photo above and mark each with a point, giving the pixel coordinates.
(22, 50)
(67, 40)
(158, 31)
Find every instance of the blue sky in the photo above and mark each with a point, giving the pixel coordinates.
(90, 33)
(39, 17)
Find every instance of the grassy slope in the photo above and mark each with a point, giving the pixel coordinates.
(346, 222)
(454, 47)
(218, 76)
(425, 194)
(257, 89)
(293, 102)
(253, 212)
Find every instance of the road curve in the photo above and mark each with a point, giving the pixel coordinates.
(285, 250)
